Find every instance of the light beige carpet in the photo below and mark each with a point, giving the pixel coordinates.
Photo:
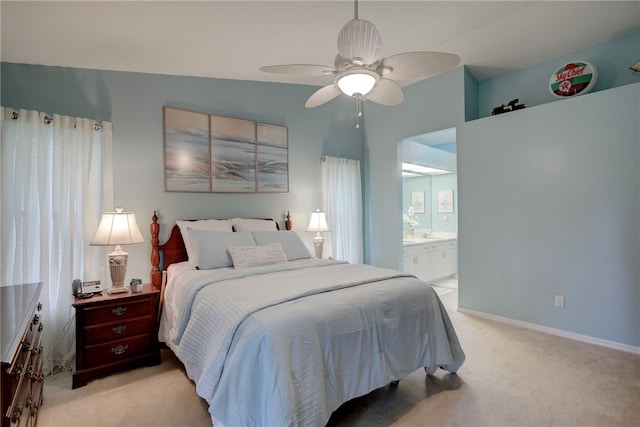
(512, 377)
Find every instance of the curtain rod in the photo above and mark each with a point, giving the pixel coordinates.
(47, 120)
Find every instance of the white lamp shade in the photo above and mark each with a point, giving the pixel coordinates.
(117, 228)
(318, 222)
(356, 82)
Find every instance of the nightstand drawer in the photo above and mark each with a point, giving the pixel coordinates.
(117, 330)
(117, 350)
(118, 311)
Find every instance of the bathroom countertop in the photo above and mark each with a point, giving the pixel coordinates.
(430, 239)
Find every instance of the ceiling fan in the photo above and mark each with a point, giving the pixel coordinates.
(361, 73)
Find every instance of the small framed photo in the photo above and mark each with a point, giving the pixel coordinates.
(417, 201)
(445, 201)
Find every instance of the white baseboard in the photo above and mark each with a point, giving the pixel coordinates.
(559, 332)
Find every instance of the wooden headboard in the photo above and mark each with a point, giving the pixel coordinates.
(173, 249)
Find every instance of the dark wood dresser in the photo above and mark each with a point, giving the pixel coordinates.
(21, 339)
(115, 331)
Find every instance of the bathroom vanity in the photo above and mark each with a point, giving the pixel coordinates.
(431, 258)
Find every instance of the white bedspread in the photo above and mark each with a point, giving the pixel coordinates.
(287, 344)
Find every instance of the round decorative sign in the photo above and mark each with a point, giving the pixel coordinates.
(573, 78)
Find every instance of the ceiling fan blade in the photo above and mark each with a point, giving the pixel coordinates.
(413, 65)
(359, 40)
(386, 92)
(323, 95)
(299, 69)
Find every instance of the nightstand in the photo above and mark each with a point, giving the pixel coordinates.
(114, 332)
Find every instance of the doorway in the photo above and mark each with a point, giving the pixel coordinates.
(429, 208)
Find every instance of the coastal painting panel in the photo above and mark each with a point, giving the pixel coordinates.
(186, 151)
(233, 155)
(273, 158)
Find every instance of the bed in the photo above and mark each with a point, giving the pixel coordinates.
(273, 337)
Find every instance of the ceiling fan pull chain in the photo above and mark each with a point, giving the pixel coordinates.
(358, 112)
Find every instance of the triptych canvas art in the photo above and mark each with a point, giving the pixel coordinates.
(216, 154)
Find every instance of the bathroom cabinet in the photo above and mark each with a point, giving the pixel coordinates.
(432, 260)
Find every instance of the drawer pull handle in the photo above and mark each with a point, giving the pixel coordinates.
(15, 417)
(119, 349)
(119, 311)
(18, 371)
(119, 329)
(36, 377)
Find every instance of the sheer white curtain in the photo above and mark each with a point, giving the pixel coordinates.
(342, 201)
(55, 181)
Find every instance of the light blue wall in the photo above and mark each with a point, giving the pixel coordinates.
(550, 205)
(133, 103)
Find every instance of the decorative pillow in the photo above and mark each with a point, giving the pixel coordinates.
(293, 246)
(204, 224)
(210, 247)
(242, 224)
(253, 256)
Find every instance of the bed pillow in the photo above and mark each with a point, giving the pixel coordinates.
(292, 244)
(204, 224)
(210, 247)
(254, 256)
(243, 224)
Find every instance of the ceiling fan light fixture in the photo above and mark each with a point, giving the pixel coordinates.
(359, 81)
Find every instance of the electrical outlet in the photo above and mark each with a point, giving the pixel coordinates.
(560, 301)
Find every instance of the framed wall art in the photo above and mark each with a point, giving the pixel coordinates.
(186, 151)
(216, 154)
(445, 201)
(417, 201)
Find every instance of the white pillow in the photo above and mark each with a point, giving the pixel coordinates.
(204, 224)
(293, 246)
(242, 224)
(210, 247)
(253, 256)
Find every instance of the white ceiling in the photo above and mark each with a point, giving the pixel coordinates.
(233, 39)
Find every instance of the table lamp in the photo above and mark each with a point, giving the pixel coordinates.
(117, 228)
(318, 223)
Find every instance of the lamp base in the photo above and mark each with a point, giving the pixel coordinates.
(318, 243)
(118, 269)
